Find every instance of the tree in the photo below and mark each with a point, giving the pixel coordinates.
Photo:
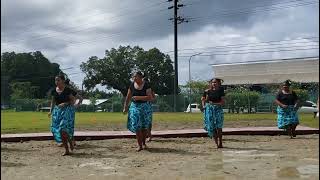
(197, 87)
(241, 98)
(23, 90)
(96, 93)
(30, 67)
(158, 68)
(116, 68)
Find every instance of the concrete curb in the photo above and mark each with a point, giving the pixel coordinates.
(186, 133)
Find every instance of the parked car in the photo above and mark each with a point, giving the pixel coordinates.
(3, 107)
(195, 108)
(309, 107)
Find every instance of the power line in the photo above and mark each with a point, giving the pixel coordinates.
(111, 36)
(224, 15)
(271, 60)
(240, 50)
(75, 30)
(87, 16)
(99, 38)
(265, 43)
(283, 50)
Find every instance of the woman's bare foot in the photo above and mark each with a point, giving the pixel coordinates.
(66, 153)
(148, 139)
(60, 145)
(145, 146)
(71, 146)
(220, 146)
(139, 149)
(294, 134)
(291, 134)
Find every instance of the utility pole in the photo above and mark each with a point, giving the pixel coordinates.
(175, 55)
(175, 19)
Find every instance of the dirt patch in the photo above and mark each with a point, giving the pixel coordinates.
(179, 125)
(244, 157)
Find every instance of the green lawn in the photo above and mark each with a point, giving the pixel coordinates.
(20, 122)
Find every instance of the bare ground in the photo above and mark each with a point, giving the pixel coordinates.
(243, 157)
(178, 125)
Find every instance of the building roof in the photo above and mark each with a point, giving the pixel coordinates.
(268, 71)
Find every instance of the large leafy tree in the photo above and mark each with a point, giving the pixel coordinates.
(30, 67)
(197, 87)
(23, 90)
(116, 68)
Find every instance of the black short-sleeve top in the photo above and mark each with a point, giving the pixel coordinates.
(63, 96)
(214, 95)
(137, 92)
(287, 99)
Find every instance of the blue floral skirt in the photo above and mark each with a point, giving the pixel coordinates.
(287, 116)
(139, 116)
(62, 120)
(213, 118)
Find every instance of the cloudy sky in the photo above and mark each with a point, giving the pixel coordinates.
(69, 32)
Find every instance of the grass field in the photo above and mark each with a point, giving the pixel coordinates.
(22, 122)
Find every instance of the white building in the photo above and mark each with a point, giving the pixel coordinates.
(268, 71)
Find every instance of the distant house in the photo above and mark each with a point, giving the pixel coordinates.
(274, 71)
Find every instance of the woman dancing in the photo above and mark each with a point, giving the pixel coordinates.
(62, 113)
(139, 115)
(212, 101)
(287, 101)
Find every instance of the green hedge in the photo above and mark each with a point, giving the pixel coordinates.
(236, 101)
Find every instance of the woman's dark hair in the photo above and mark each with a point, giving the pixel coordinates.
(63, 77)
(287, 83)
(139, 73)
(146, 79)
(220, 81)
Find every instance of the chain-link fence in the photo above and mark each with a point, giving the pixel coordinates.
(235, 102)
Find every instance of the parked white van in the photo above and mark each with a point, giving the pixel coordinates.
(195, 108)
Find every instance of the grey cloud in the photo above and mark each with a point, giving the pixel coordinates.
(99, 25)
